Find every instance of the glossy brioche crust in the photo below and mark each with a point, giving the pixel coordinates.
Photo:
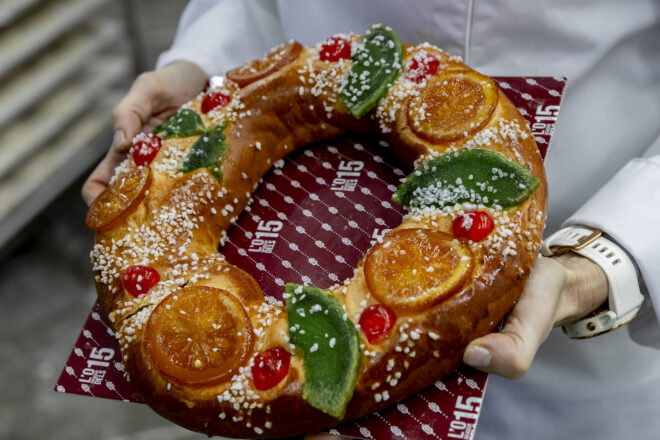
(286, 110)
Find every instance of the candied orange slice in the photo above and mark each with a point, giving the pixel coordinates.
(268, 64)
(452, 105)
(198, 336)
(118, 199)
(413, 268)
(237, 281)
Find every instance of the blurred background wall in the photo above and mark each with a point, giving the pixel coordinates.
(63, 65)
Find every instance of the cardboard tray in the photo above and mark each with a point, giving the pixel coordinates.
(310, 222)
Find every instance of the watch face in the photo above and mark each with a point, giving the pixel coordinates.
(569, 239)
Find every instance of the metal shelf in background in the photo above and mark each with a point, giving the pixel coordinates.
(58, 109)
(58, 85)
(12, 10)
(35, 185)
(37, 79)
(30, 34)
(19, 183)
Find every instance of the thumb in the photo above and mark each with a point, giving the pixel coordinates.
(128, 118)
(99, 178)
(511, 352)
(135, 109)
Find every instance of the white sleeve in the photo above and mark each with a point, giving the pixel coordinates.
(219, 35)
(627, 208)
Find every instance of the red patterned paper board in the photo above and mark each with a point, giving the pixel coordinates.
(95, 365)
(310, 222)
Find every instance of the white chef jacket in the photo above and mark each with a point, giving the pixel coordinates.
(603, 165)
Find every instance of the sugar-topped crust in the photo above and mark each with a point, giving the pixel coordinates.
(178, 224)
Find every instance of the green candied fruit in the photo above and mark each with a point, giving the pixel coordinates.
(319, 327)
(467, 175)
(183, 123)
(207, 152)
(376, 64)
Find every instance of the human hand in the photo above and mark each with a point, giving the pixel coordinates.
(559, 290)
(150, 100)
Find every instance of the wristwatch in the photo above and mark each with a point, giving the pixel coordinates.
(624, 296)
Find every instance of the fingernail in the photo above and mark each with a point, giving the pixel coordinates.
(118, 138)
(477, 357)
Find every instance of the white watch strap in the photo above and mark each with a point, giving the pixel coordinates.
(624, 295)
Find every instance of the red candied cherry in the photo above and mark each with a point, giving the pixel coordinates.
(145, 148)
(270, 367)
(376, 322)
(475, 225)
(139, 279)
(214, 100)
(423, 65)
(335, 49)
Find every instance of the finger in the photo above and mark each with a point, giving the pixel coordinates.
(146, 97)
(134, 110)
(129, 116)
(157, 119)
(511, 352)
(99, 178)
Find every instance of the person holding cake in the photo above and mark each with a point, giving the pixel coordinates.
(603, 171)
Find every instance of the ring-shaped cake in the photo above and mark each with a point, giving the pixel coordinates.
(203, 345)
